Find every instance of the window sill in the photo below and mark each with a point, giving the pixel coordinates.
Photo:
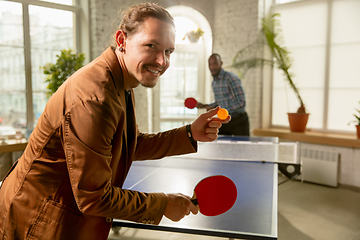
(13, 146)
(332, 139)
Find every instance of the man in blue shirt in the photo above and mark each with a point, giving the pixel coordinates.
(229, 94)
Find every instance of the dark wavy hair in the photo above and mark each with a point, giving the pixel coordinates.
(134, 16)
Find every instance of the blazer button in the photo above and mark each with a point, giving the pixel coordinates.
(152, 222)
(143, 221)
(108, 220)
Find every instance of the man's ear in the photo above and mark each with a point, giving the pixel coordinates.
(120, 38)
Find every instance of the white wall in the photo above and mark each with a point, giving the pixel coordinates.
(349, 164)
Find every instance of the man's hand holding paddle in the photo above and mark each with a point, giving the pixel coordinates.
(206, 127)
(179, 206)
(212, 196)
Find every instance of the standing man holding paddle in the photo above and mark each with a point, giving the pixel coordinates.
(229, 94)
(68, 182)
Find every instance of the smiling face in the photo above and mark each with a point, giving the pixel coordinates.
(146, 53)
(215, 65)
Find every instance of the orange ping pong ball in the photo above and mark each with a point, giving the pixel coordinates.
(222, 113)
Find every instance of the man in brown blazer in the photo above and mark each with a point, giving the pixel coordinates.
(68, 183)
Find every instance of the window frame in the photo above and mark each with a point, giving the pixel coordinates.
(80, 9)
(157, 118)
(268, 108)
(204, 76)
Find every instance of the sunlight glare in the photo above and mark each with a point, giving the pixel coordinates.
(184, 25)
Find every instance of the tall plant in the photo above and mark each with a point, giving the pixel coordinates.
(269, 37)
(66, 64)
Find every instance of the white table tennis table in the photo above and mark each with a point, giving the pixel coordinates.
(253, 170)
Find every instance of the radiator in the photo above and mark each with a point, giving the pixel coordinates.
(319, 166)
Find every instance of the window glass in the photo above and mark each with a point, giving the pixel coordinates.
(310, 44)
(305, 38)
(51, 31)
(344, 80)
(166, 125)
(12, 70)
(182, 26)
(11, 28)
(67, 2)
(178, 83)
(286, 1)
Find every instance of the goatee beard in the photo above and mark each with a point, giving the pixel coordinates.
(149, 84)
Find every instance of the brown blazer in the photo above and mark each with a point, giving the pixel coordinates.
(68, 183)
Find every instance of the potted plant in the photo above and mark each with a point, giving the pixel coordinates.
(357, 122)
(193, 35)
(252, 56)
(66, 64)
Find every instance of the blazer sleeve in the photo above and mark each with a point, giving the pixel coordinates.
(169, 143)
(87, 130)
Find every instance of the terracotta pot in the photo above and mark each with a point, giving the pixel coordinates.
(358, 131)
(298, 121)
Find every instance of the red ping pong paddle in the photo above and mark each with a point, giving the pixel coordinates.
(214, 195)
(190, 102)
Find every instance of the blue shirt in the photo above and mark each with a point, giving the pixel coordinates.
(228, 93)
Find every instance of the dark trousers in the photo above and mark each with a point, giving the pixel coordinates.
(239, 125)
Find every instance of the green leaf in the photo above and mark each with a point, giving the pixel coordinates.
(251, 56)
(66, 64)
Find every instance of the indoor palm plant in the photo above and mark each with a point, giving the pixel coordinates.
(252, 57)
(66, 64)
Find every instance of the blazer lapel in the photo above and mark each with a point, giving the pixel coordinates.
(130, 121)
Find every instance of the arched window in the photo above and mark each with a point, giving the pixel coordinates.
(187, 75)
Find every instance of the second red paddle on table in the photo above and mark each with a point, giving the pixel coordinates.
(214, 195)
